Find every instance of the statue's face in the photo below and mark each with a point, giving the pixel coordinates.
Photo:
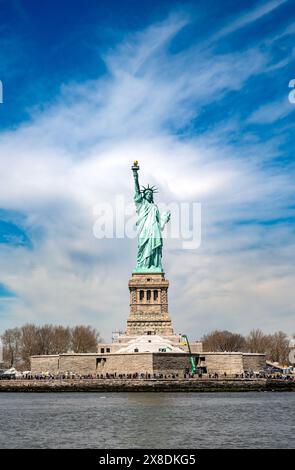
(149, 196)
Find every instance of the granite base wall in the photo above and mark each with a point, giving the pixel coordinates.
(253, 361)
(220, 363)
(78, 364)
(126, 364)
(41, 364)
(233, 363)
(170, 363)
(131, 363)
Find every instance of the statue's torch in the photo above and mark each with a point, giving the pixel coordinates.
(135, 167)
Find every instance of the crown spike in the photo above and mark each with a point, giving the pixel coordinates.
(149, 188)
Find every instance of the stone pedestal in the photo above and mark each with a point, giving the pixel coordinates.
(149, 305)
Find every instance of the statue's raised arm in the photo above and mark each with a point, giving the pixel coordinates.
(135, 169)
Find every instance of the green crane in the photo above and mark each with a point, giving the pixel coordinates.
(191, 358)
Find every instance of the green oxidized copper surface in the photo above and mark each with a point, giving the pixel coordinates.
(149, 226)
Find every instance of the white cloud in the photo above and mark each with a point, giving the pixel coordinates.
(78, 152)
(250, 17)
(271, 112)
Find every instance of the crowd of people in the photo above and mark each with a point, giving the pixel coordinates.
(145, 376)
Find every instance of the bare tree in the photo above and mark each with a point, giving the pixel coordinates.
(45, 339)
(223, 341)
(53, 339)
(11, 340)
(61, 339)
(278, 347)
(19, 344)
(257, 342)
(29, 343)
(84, 339)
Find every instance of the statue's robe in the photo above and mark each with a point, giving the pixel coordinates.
(150, 241)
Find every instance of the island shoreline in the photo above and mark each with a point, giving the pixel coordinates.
(148, 385)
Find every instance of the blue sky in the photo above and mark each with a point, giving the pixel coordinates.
(198, 93)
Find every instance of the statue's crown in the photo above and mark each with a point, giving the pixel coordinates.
(148, 188)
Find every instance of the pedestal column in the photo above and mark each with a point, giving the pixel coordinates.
(149, 305)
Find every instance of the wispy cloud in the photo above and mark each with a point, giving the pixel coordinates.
(78, 151)
(271, 112)
(264, 8)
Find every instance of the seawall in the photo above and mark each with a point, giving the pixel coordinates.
(145, 385)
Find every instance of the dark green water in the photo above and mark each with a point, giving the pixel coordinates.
(147, 420)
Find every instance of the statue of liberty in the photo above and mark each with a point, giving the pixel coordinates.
(149, 225)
